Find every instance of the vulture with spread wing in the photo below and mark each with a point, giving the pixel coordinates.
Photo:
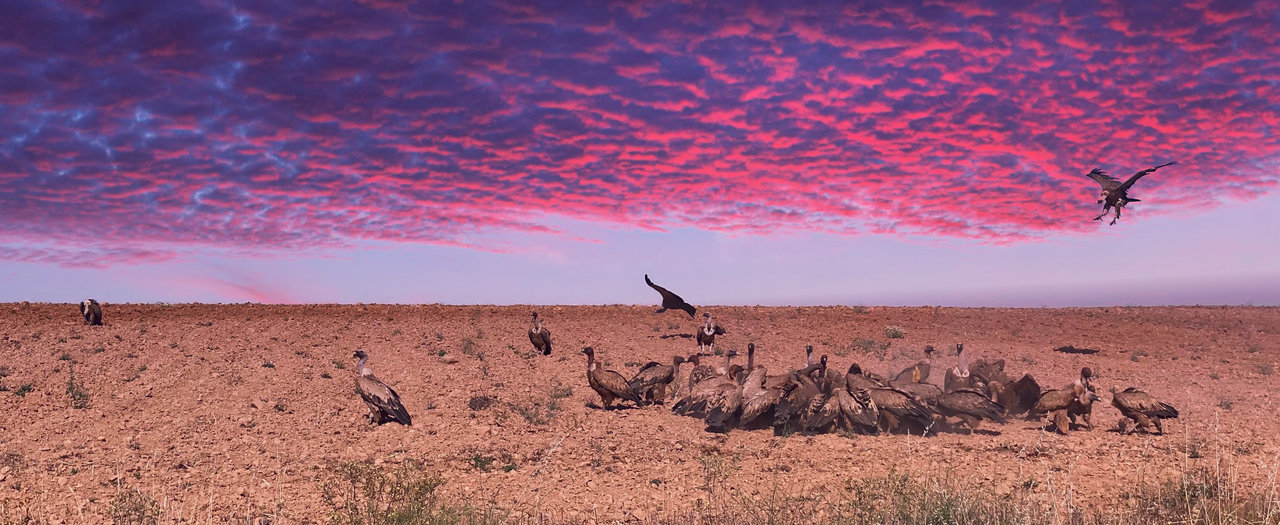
(652, 380)
(670, 301)
(1115, 194)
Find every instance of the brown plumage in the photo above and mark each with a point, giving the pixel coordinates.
(959, 376)
(1017, 397)
(724, 406)
(608, 384)
(1115, 193)
(797, 400)
(540, 336)
(707, 333)
(971, 406)
(700, 371)
(707, 393)
(899, 410)
(1145, 410)
(858, 412)
(919, 372)
(92, 312)
(758, 399)
(670, 301)
(926, 392)
(653, 378)
(1055, 403)
(383, 402)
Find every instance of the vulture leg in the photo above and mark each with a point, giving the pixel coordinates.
(660, 310)
(1159, 427)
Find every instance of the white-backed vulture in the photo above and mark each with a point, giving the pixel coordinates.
(92, 312)
(1055, 403)
(707, 333)
(1145, 410)
(383, 401)
(608, 384)
(653, 378)
(540, 336)
(1115, 193)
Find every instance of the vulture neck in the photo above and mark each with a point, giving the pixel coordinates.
(726, 362)
(963, 365)
(591, 362)
(751, 360)
(362, 369)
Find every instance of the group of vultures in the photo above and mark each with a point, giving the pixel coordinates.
(817, 397)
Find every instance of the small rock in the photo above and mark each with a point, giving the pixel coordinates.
(448, 359)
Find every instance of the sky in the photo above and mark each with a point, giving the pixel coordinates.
(904, 153)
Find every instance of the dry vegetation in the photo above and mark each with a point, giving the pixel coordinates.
(246, 414)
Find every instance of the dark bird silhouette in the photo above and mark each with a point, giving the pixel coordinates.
(609, 384)
(92, 312)
(383, 402)
(1115, 194)
(652, 380)
(540, 336)
(707, 334)
(670, 301)
(1143, 409)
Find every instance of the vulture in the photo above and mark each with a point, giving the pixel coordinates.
(798, 395)
(971, 406)
(1143, 409)
(985, 372)
(708, 394)
(725, 403)
(919, 372)
(652, 380)
(899, 410)
(1056, 402)
(540, 336)
(958, 377)
(609, 384)
(707, 334)
(383, 402)
(700, 371)
(1017, 397)
(1115, 193)
(927, 393)
(670, 301)
(758, 398)
(92, 312)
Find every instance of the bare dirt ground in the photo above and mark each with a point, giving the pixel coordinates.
(228, 412)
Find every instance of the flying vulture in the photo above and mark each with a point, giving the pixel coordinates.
(384, 403)
(1115, 193)
(670, 301)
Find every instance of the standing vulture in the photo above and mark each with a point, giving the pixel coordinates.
(92, 312)
(652, 380)
(1115, 193)
(1143, 409)
(609, 384)
(670, 301)
(384, 403)
(959, 376)
(919, 372)
(707, 334)
(540, 336)
(1056, 402)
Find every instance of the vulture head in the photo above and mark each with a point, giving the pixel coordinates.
(588, 351)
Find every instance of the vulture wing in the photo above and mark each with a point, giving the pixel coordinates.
(973, 403)
(380, 396)
(1108, 182)
(1143, 403)
(1052, 401)
(1129, 183)
(616, 385)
